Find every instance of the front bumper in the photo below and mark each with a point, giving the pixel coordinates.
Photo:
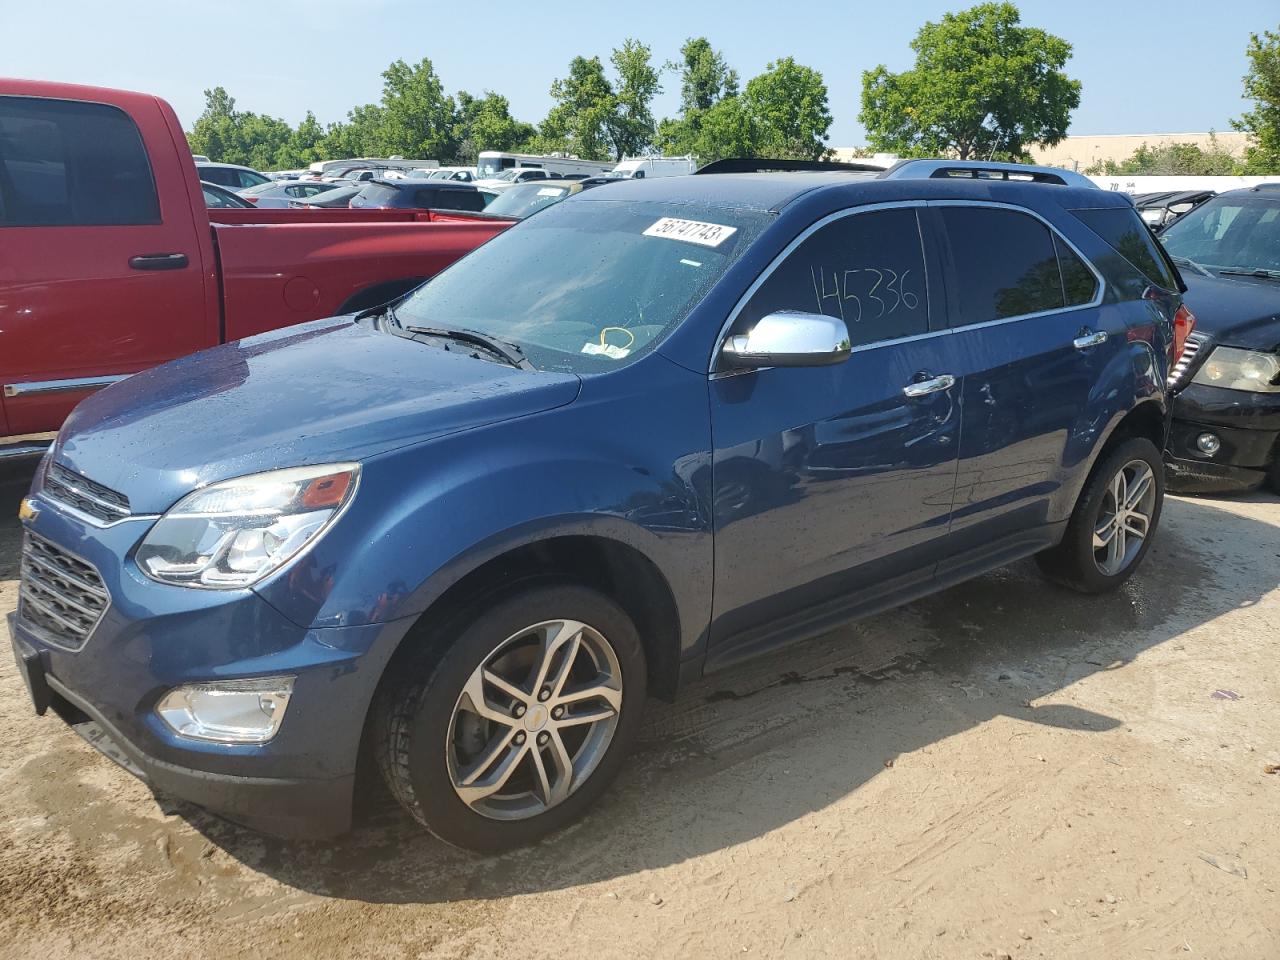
(153, 638)
(1247, 426)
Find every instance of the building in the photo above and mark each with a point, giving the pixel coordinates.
(1081, 152)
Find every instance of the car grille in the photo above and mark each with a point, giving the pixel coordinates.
(60, 596)
(84, 495)
(1181, 369)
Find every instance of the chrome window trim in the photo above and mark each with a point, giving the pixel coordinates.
(947, 331)
(57, 386)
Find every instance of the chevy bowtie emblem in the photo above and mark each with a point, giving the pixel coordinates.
(28, 510)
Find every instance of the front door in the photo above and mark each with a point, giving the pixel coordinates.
(829, 480)
(96, 280)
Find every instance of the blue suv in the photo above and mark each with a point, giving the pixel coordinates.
(645, 434)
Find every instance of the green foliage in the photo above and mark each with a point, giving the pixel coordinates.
(416, 115)
(705, 78)
(788, 106)
(982, 86)
(232, 136)
(485, 123)
(631, 125)
(578, 123)
(1262, 86)
(1173, 160)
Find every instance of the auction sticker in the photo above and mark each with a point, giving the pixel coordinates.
(550, 191)
(691, 231)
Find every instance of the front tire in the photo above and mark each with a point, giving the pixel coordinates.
(513, 729)
(1114, 521)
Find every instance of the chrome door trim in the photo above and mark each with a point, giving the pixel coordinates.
(926, 387)
(31, 387)
(1090, 340)
(947, 331)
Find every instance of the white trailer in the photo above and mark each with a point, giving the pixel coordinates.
(636, 168)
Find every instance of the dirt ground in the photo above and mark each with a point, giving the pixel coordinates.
(1005, 768)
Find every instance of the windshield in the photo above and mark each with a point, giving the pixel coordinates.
(259, 188)
(525, 199)
(1231, 233)
(490, 167)
(586, 287)
(377, 195)
(508, 175)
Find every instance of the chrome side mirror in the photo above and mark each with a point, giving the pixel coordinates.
(789, 338)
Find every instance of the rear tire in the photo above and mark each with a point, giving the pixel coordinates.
(1103, 545)
(527, 759)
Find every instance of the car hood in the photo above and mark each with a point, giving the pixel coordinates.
(1235, 311)
(321, 392)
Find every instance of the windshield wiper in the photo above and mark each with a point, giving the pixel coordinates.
(1260, 273)
(504, 349)
(1188, 262)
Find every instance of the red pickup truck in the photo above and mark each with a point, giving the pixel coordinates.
(110, 262)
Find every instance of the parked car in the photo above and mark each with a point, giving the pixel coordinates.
(111, 263)
(340, 197)
(509, 178)
(412, 194)
(528, 198)
(217, 198)
(278, 193)
(1226, 414)
(1158, 210)
(230, 175)
(637, 168)
(658, 428)
(463, 174)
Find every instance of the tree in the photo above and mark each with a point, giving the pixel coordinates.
(982, 86)
(727, 129)
(417, 119)
(1262, 86)
(485, 123)
(227, 135)
(788, 105)
(1173, 160)
(578, 123)
(631, 125)
(705, 80)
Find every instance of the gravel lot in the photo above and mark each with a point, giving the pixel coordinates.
(1005, 768)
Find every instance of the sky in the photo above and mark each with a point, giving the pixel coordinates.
(1147, 67)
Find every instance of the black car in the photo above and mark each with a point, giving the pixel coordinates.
(414, 194)
(1160, 209)
(1226, 415)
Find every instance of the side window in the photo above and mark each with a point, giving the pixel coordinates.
(866, 268)
(249, 179)
(66, 162)
(1006, 264)
(1078, 282)
(1124, 230)
(425, 199)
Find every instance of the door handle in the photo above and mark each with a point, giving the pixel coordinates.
(1087, 340)
(923, 388)
(159, 261)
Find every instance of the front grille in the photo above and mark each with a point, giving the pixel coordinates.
(80, 493)
(60, 596)
(1183, 367)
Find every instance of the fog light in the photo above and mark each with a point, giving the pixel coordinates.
(1208, 444)
(228, 711)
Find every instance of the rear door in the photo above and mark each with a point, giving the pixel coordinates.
(831, 481)
(1031, 342)
(98, 277)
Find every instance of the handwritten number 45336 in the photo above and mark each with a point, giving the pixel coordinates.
(842, 286)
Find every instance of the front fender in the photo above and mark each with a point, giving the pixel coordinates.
(427, 515)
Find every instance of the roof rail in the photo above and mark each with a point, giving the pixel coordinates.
(978, 170)
(764, 165)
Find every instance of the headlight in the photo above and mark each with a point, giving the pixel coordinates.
(228, 711)
(232, 534)
(1240, 370)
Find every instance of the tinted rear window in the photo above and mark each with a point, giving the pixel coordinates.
(66, 162)
(1005, 261)
(377, 195)
(1124, 230)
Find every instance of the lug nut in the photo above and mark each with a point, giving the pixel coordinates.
(519, 739)
(519, 711)
(543, 738)
(544, 693)
(557, 713)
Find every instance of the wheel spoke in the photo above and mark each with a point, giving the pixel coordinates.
(553, 784)
(1135, 525)
(1138, 489)
(495, 679)
(592, 691)
(589, 715)
(499, 762)
(567, 631)
(565, 667)
(1118, 487)
(1115, 550)
(1103, 533)
(473, 699)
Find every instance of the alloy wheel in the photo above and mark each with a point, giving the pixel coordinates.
(1124, 518)
(534, 720)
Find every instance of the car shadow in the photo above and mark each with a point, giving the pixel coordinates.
(749, 750)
